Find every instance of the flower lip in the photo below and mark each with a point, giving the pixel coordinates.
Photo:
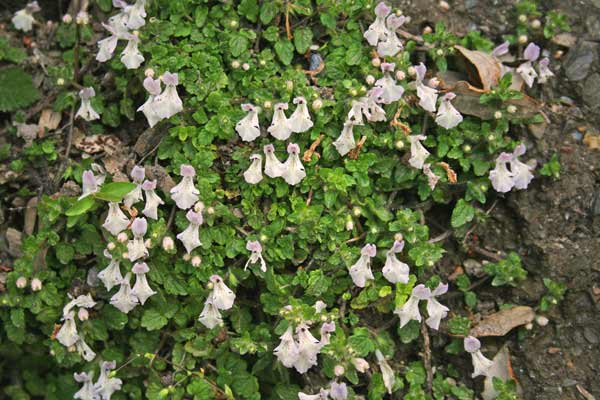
(138, 173)
(293, 148)
(248, 107)
(382, 10)
(152, 86)
(421, 292)
(449, 96)
(170, 78)
(269, 148)
(140, 268)
(471, 344)
(255, 157)
(398, 246)
(87, 92)
(299, 100)
(216, 279)
(501, 49)
(369, 250)
(254, 246)
(388, 67)
(532, 52)
(194, 217)
(149, 185)
(504, 157)
(281, 106)
(187, 170)
(519, 150)
(421, 70)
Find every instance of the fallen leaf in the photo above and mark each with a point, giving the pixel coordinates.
(93, 144)
(502, 322)
(482, 68)
(14, 239)
(592, 141)
(164, 181)
(49, 120)
(30, 216)
(584, 392)
(565, 39)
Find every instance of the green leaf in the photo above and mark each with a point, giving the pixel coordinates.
(354, 54)
(16, 89)
(249, 9)
(268, 10)
(114, 191)
(302, 39)
(285, 51)
(80, 206)
(462, 213)
(153, 320)
(238, 44)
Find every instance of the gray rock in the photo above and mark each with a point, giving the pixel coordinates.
(473, 3)
(592, 25)
(580, 59)
(590, 335)
(591, 91)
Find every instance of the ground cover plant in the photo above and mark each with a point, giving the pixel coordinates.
(281, 227)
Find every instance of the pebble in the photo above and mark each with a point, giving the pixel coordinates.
(591, 91)
(579, 61)
(577, 136)
(473, 3)
(590, 335)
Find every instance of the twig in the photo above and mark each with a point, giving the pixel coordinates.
(353, 155)
(441, 237)
(171, 217)
(288, 27)
(356, 239)
(427, 357)
(487, 253)
(311, 150)
(310, 195)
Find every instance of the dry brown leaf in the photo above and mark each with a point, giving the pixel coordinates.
(164, 180)
(450, 174)
(502, 322)
(483, 69)
(14, 239)
(584, 392)
(30, 216)
(592, 141)
(49, 120)
(93, 144)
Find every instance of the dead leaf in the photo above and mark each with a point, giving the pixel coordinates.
(501, 369)
(482, 68)
(148, 140)
(450, 174)
(565, 39)
(502, 322)
(49, 120)
(14, 239)
(592, 141)
(93, 144)
(30, 216)
(584, 392)
(164, 181)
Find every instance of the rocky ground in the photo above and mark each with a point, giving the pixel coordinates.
(555, 225)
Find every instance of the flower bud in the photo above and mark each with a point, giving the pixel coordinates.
(536, 24)
(210, 210)
(398, 237)
(339, 370)
(148, 243)
(168, 244)
(67, 19)
(511, 109)
(356, 211)
(400, 75)
(122, 237)
(60, 81)
(498, 114)
(36, 285)
(376, 62)
(439, 52)
(370, 79)
(263, 238)
(245, 66)
(196, 261)
(399, 144)
(234, 24)
(427, 30)
(235, 64)
(83, 314)
(362, 90)
(444, 5)
(125, 254)
(317, 104)
(353, 92)
(360, 364)
(523, 39)
(186, 257)
(523, 18)
(82, 18)
(541, 320)
(467, 148)
(267, 105)
(398, 13)
(21, 282)
(210, 285)
(111, 246)
(149, 73)
(349, 225)
(412, 71)
(289, 85)
(199, 207)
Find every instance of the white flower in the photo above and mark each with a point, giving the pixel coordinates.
(338, 391)
(391, 92)
(210, 315)
(152, 86)
(190, 237)
(435, 309)
(124, 299)
(83, 301)
(345, 142)
(131, 56)
(137, 247)
(107, 46)
(87, 390)
(355, 115)
(23, 19)
(320, 306)
(253, 174)
(248, 127)
(280, 127)
(386, 371)
(137, 174)
(501, 177)
(106, 386)
(116, 220)
(432, 179)
(545, 71)
(152, 200)
(85, 110)
(136, 14)
(360, 272)
(293, 170)
(448, 116)
(184, 194)
(410, 310)
(287, 352)
(168, 102)
(418, 153)
(481, 364)
(141, 290)
(427, 95)
(326, 329)
(394, 270)
(521, 172)
(322, 395)
(308, 349)
(360, 364)
(222, 296)
(111, 275)
(526, 70)
(84, 350)
(391, 45)
(256, 256)
(273, 167)
(300, 120)
(372, 110)
(67, 334)
(378, 31)
(90, 183)
(501, 50)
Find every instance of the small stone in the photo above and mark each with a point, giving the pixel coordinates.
(579, 61)
(472, 3)
(473, 267)
(591, 91)
(590, 335)
(565, 39)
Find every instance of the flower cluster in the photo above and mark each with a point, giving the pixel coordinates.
(103, 389)
(481, 364)
(382, 32)
(220, 298)
(161, 105)
(67, 335)
(436, 311)
(518, 176)
(336, 391)
(394, 270)
(291, 170)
